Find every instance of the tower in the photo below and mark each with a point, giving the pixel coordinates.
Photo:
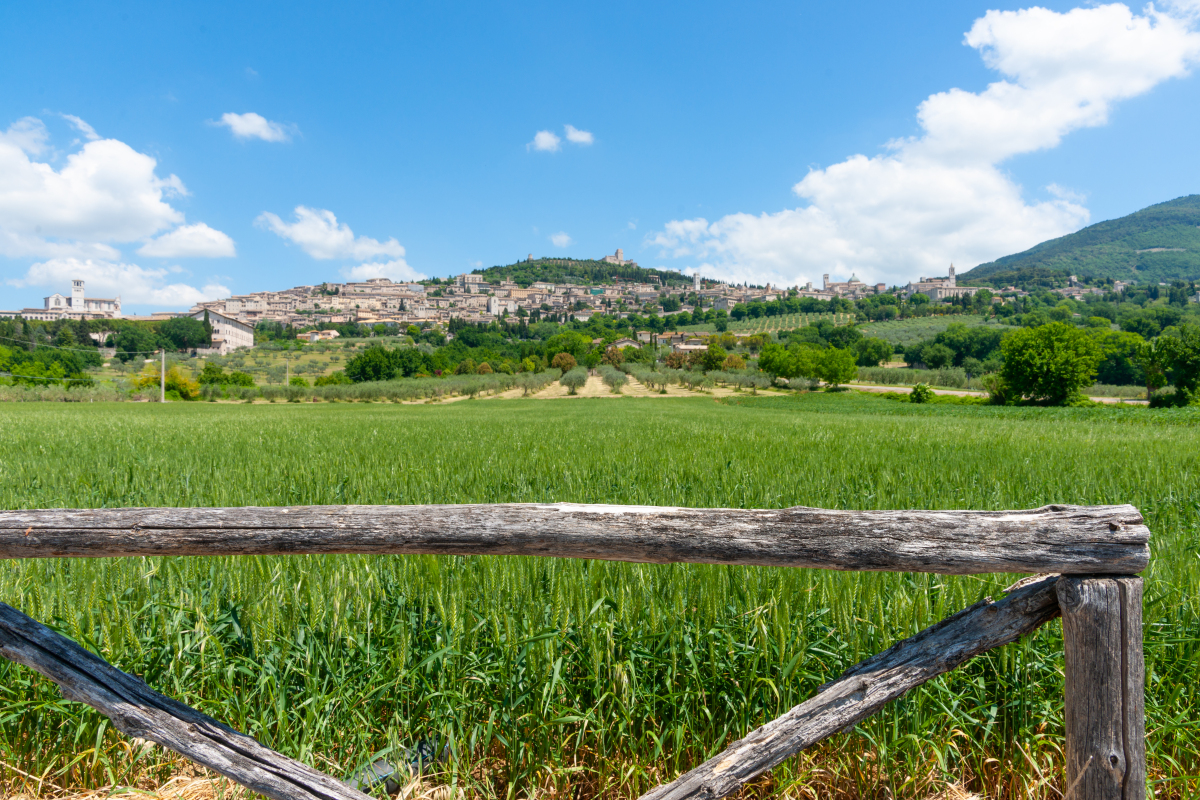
(77, 294)
(696, 282)
(620, 256)
(952, 283)
(825, 278)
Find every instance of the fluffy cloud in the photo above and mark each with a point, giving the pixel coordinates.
(318, 232)
(545, 141)
(190, 241)
(254, 126)
(579, 137)
(397, 270)
(940, 197)
(105, 192)
(134, 284)
(561, 239)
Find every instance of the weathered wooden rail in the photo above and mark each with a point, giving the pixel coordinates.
(1093, 551)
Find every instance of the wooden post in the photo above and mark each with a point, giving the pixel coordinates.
(1104, 711)
(162, 379)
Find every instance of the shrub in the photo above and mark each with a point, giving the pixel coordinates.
(176, 381)
(338, 378)
(920, 394)
(484, 369)
(296, 380)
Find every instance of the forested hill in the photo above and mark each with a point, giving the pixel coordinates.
(1157, 244)
(586, 271)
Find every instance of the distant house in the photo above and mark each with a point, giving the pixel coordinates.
(322, 336)
(625, 342)
(644, 336)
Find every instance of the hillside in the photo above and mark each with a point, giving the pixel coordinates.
(585, 271)
(1160, 243)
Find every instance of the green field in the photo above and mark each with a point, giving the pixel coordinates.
(916, 329)
(576, 678)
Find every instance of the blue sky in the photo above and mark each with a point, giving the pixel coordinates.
(751, 141)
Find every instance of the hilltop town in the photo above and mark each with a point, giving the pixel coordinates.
(481, 298)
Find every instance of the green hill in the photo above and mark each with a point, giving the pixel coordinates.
(1157, 244)
(584, 271)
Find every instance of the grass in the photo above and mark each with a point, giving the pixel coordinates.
(583, 678)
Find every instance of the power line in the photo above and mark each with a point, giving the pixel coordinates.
(74, 349)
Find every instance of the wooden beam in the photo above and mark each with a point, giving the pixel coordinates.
(867, 687)
(1066, 539)
(137, 710)
(1104, 709)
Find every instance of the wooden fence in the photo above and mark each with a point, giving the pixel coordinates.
(1084, 559)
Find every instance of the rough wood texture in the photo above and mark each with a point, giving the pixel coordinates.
(1105, 692)
(137, 710)
(1066, 539)
(867, 687)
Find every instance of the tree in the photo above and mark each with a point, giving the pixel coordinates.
(465, 367)
(563, 361)
(484, 369)
(296, 380)
(1050, 363)
(574, 379)
(135, 341)
(372, 364)
(713, 358)
(871, 352)
(1183, 361)
(937, 356)
(836, 367)
(184, 333)
(721, 324)
(1119, 366)
(733, 361)
(613, 356)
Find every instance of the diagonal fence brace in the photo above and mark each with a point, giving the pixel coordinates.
(868, 686)
(137, 710)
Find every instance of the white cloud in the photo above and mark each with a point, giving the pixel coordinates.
(133, 284)
(561, 239)
(190, 241)
(545, 141)
(105, 192)
(254, 126)
(319, 233)
(941, 197)
(396, 270)
(88, 131)
(579, 137)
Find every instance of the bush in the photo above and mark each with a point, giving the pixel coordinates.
(920, 394)
(296, 380)
(484, 369)
(338, 378)
(184, 387)
(575, 378)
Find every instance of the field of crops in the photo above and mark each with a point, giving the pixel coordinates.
(573, 678)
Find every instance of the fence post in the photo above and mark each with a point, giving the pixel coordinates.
(1104, 710)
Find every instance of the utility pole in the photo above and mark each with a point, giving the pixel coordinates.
(162, 378)
(287, 360)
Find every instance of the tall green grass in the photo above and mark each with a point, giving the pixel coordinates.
(548, 674)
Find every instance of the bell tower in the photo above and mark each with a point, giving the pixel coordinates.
(77, 295)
